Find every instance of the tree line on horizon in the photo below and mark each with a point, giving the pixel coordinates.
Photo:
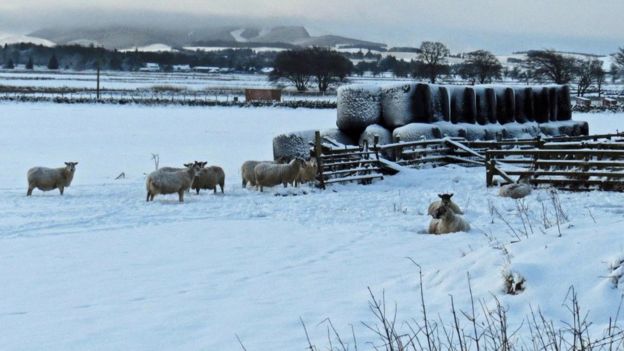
(322, 67)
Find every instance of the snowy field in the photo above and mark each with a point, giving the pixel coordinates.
(101, 269)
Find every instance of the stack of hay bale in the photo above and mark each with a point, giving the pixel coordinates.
(418, 111)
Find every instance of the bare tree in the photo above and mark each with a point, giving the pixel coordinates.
(551, 66)
(588, 73)
(432, 60)
(481, 66)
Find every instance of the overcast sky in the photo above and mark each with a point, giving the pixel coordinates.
(498, 25)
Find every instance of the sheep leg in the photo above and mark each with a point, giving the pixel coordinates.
(29, 192)
(181, 195)
(215, 190)
(61, 190)
(197, 189)
(244, 183)
(148, 197)
(220, 185)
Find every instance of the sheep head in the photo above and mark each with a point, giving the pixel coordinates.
(70, 166)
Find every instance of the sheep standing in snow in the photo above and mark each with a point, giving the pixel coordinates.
(248, 174)
(307, 173)
(176, 169)
(271, 174)
(46, 179)
(209, 178)
(163, 182)
(516, 190)
(445, 221)
(445, 199)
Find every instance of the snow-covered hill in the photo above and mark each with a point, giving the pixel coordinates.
(9, 38)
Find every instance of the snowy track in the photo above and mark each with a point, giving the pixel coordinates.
(101, 269)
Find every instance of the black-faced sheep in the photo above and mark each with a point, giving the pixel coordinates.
(163, 182)
(46, 179)
(247, 172)
(271, 174)
(209, 178)
(445, 199)
(445, 221)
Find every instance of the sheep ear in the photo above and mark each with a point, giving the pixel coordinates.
(441, 196)
(450, 195)
(66, 163)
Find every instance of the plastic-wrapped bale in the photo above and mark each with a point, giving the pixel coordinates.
(569, 128)
(553, 106)
(486, 105)
(564, 104)
(292, 145)
(430, 103)
(493, 131)
(516, 130)
(358, 107)
(463, 104)
(338, 136)
(468, 131)
(541, 104)
(505, 105)
(397, 105)
(416, 131)
(524, 105)
(385, 137)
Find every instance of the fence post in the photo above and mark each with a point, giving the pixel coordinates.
(397, 150)
(318, 151)
(489, 169)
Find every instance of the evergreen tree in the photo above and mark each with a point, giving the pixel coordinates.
(53, 63)
(29, 64)
(10, 64)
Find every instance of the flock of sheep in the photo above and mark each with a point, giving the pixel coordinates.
(195, 175)
(446, 215)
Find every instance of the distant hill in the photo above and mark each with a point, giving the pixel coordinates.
(124, 37)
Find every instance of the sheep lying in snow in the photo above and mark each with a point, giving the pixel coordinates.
(307, 173)
(271, 174)
(516, 190)
(445, 221)
(163, 182)
(445, 199)
(46, 179)
(247, 172)
(209, 178)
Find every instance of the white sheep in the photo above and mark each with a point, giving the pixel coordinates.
(163, 182)
(445, 221)
(209, 178)
(248, 174)
(516, 190)
(307, 173)
(46, 179)
(445, 199)
(271, 174)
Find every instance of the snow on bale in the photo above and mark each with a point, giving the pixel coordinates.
(541, 102)
(524, 104)
(553, 103)
(292, 145)
(515, 130)
(569, 128)
(486, 105)
(358, 107)
(564, 104)
(505, 105)
(416, 131)
(385, 137)
(397, 105)
(463, 105)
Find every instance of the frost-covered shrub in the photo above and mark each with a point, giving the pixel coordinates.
(416, 131)
(397, 103)
(358, 107)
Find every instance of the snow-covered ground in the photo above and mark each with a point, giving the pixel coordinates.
(101, 269)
